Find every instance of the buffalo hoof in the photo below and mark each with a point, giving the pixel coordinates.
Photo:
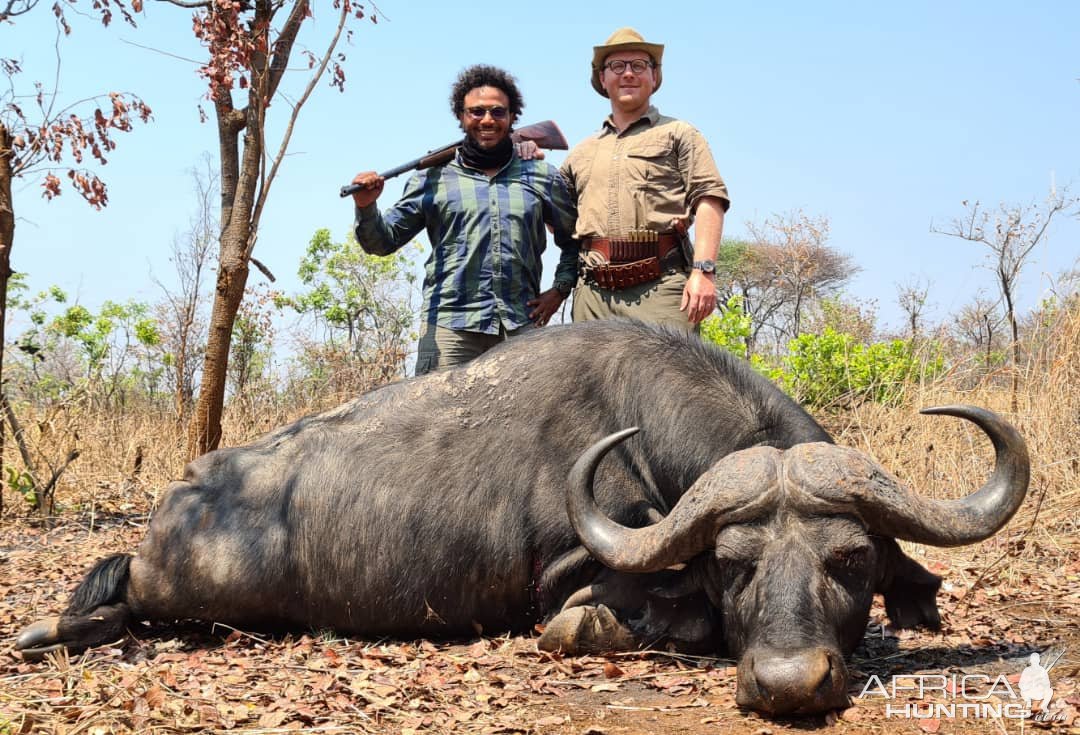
(39, 639)
(586, 630)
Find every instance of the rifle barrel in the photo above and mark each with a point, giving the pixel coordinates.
(397, 170)
(350, 189)
(546, 134)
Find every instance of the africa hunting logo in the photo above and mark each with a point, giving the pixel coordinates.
(970, 695)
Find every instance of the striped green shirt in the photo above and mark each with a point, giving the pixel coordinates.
(486, 235)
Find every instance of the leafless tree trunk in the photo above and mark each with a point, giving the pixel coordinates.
(1011, 234)
(184, 329)
(246, 176)
(912, 298)
(7, 237)
(977, 323)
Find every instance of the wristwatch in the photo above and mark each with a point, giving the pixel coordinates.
(564, 288)
(708, 267)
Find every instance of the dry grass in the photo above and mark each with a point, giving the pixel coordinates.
(129, 455)
(938, 456)
(944, 457)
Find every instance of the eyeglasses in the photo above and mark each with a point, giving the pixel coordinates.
(478, 113)
(638, 66)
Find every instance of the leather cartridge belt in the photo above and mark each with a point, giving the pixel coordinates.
(628, 261)
(626, 250)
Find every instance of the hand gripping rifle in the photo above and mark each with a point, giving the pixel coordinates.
(545, 134)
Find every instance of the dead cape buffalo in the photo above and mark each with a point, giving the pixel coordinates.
(431, 506)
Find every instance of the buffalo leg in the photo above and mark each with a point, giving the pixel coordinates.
(614, 595)
(629, 612)
(910, 591)
(75, 633)
(586, 630)
(97, 613)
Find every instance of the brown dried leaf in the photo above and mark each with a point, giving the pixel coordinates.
(606, 687)
(273, 719)
(552, 720)
(930, 724)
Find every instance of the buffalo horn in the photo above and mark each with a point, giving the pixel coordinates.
(967, 520)
(720, 497)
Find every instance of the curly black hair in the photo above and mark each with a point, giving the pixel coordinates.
(482, 75)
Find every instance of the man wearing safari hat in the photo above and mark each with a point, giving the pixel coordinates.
(639, 183)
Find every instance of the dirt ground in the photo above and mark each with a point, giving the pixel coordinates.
(1001, 602)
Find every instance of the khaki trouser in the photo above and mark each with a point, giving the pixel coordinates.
(656, 302)
(441, 348)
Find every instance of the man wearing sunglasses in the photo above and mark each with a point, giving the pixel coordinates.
(485, 214)
(639, 183)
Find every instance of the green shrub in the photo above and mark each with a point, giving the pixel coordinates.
(729, 329)
(833, 369)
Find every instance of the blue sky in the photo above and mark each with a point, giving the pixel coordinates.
(882, 118)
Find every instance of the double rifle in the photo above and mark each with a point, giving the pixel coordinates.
(545, 134)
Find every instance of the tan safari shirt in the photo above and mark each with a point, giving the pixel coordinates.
(656, 170)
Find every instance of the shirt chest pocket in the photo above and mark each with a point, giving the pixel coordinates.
(651, 164)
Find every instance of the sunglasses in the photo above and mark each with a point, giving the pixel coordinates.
(478, 113)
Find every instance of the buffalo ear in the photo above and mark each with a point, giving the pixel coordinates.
(910, 590)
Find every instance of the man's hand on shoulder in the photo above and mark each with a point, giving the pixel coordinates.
(373, 186)
(528, 150)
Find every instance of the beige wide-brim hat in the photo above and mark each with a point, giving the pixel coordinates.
(625, 39)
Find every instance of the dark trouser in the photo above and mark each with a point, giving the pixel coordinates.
(441, 348)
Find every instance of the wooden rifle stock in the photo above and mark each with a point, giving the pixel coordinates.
(545, 134)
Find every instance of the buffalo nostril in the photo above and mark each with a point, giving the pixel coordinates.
(827, 685)
(801, 681)
(803, 671)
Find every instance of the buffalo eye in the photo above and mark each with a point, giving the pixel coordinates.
(740, 570)
(848, 559)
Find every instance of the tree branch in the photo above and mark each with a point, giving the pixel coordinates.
(10, 11)
(189, 3)
(159, 51)
(20, 438)
(284, 43)
(230, 122)
(47, 491)
(265, 189)
(265, 271)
